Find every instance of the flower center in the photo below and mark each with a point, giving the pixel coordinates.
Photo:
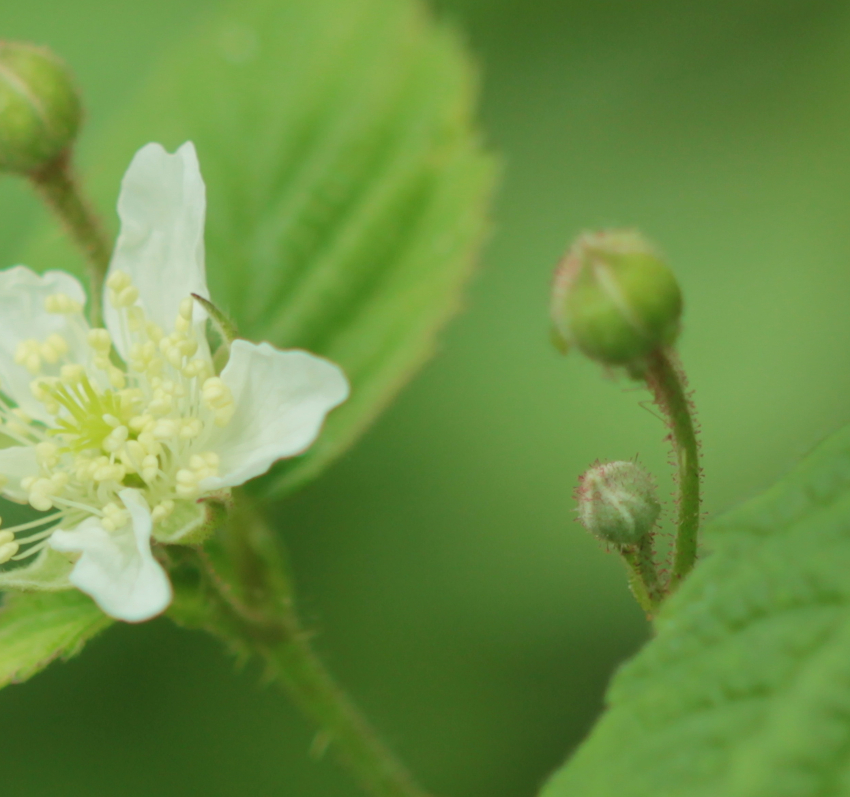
(109, 424)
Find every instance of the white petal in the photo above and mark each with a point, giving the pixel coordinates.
(117, 569)
(16, 463)
(282, 398)
(162, 206)
(23, 317)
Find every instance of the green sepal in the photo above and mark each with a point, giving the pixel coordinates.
(37, 628)
(49, 571)
(191, 523)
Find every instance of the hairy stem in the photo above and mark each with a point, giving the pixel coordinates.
(643, 575)
(667, 383)
(60, 190)
(248, 586)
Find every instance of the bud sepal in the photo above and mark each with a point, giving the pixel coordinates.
(618, 502)
(615, 299)
(40, 109)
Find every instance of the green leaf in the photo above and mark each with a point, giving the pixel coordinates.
(745, 691)
(346, 184)
(38, 627)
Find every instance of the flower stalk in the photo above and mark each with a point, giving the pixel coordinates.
(248, 602)
(58, 186)
(666, 380)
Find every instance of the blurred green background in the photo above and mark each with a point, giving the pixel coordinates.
(450, 589)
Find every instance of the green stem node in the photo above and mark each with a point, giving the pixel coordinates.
(667, 383)
(58, 187)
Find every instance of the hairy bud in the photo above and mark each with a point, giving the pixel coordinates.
(614, 298)
(40, 109)
(618, 502)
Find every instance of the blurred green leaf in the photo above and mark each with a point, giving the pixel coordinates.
(347, 187)
(745, 692)
(38, 627)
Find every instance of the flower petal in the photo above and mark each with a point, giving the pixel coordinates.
(282, 398)
(117, 569)
(162, 206)
(17, 463)
(23, 317)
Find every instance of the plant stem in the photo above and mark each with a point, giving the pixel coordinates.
(343, 727)
(254, 611)
(643, 575)
(667, 383)
(60, 190)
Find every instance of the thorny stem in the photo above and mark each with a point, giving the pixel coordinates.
(247, 579)
(667, 383)
(60, 190)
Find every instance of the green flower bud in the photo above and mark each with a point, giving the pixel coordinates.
(614, 298)
(618, 502)
(40, 109)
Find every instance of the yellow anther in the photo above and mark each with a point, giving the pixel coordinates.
(124, 298)
(53, 348)
(6, 536)
(114, 517)
(154, 331)
(135, 318)
(187, 483)
(104, 470)
(188, 347)
(116, 377)
(115, 439)
(223, 415)
(191, 428)
(47, 455)
(118, 281)
(60, 480)
(196, 368)
(110, 420)
(139, 422)
(162, 510)
(40, 492)
(8, 550)
(161, 405)
(27, 354)
(164, 429)
(150, 468)
(61, 303)
(72, 374)
(99, 340)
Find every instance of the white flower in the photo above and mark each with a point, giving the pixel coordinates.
(118, 433)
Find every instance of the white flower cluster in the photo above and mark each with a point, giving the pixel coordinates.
(118, 433)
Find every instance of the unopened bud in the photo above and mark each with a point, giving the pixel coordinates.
(614, 298)
(617, 502)
(40, 109)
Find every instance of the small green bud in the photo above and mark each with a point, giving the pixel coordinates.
(40, 109)
(618, 502)
(614, 298)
